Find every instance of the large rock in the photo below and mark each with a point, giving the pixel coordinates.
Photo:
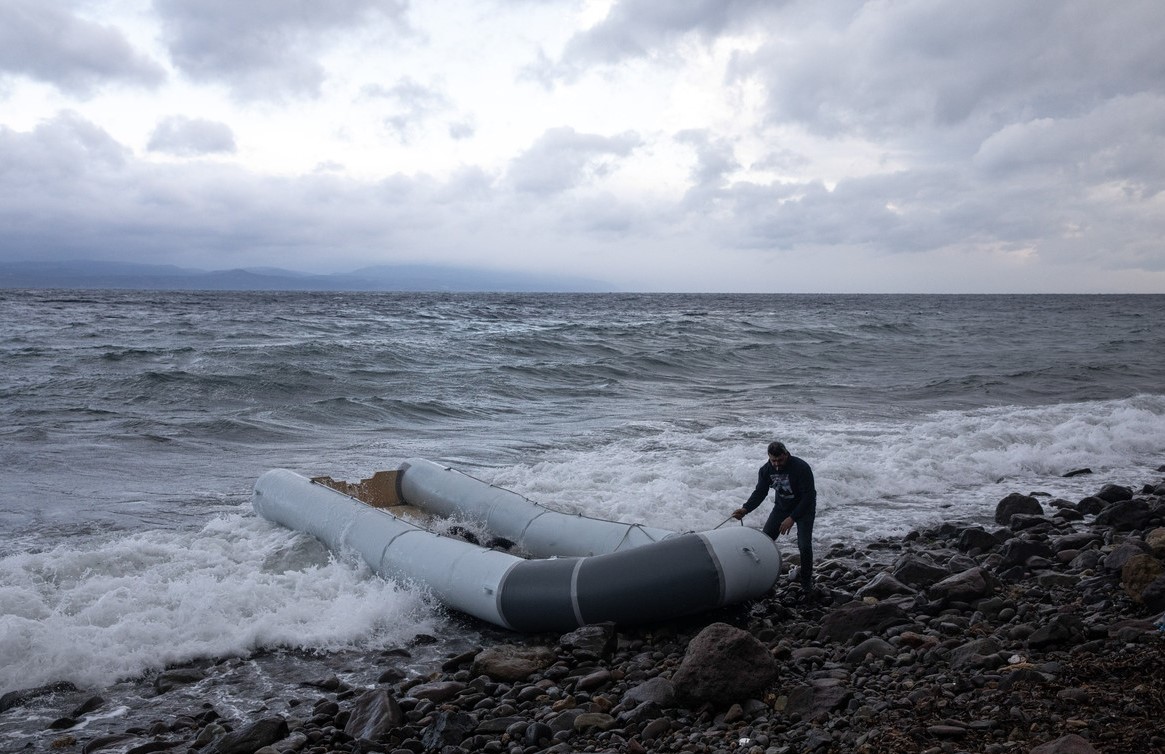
(1121, 554)
(512, 663)
(1017, 503)
(1017, 551)
(916, 572)
(1076, 541)
(724, 664)
(1061, 630)
(968, 586)
(448, 729)
(849, 619)
(978, 653)
(1138, 573)
(1153, 595)
(591, 642)
(657, 690)
(976, 538)
(1125, 515)
(1114, 493)
(1156, 541)
(374, 714)
(172, 679)
(437, 691)
(251, 738)
(1069, 744)
(882, 586)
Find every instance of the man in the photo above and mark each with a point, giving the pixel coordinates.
(796, 503)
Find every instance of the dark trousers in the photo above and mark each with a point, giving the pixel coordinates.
(804, 540)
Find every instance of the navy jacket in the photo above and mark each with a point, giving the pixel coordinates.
(796, 495)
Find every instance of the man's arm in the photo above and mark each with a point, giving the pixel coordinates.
(756, 498)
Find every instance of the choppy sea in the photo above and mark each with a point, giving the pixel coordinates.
(133, 425)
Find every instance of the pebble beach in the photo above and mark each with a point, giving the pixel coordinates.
(1041, 633)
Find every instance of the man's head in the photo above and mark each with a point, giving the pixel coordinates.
(778, 454)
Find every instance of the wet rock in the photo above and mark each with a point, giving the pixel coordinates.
(172, 679)
(1017, 551)
(1061, 629)
(981, 654)
(849, 619)
(872, 647)
(87, 706)
(968, 586)
(591, 642)
(1091, 505)
(1114, 493)
(658, 690)
(1016, 503)
(374, 714)
(513, 663)
(1075, 541)
(439, 691)
(1069, 744)
(594, 680)
(916, 572)
(976, 538)
(103, 742)
(594, 720)
(1125, 515)
(18, 698)
(723, 664)
(448, 729)
(1123, 553)
(1153, 595)
(1138, 573)
(1155, 541)
(882, 586)
(254, 736)
(537, 734)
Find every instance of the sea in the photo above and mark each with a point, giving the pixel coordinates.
(133, 425)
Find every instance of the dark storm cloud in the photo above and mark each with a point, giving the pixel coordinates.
(69, 190)
(948, 71)
(562, 158)
(263, 48)
(188, 137)
(49, 43)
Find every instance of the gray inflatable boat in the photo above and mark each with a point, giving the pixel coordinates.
(581, 571)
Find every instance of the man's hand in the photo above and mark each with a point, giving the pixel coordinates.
(786, 525)
(739, 513)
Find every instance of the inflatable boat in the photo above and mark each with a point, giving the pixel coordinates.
(581, 570)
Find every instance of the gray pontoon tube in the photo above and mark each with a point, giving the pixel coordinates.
(681, 575)
(534, 528)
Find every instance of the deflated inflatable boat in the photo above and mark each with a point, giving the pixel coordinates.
(585, 570)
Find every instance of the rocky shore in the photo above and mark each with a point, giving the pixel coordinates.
(1039, 634)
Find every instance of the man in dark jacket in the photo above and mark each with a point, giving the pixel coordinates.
(796, 503)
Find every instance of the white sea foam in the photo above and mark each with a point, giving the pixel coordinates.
(874, 479)
(109, 609)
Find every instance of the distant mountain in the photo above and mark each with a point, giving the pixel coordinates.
(404, 277)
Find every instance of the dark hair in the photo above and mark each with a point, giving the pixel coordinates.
(777, 449)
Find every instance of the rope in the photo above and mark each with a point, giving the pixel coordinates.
(717, 526)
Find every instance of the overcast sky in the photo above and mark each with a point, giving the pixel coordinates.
(668, 145)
